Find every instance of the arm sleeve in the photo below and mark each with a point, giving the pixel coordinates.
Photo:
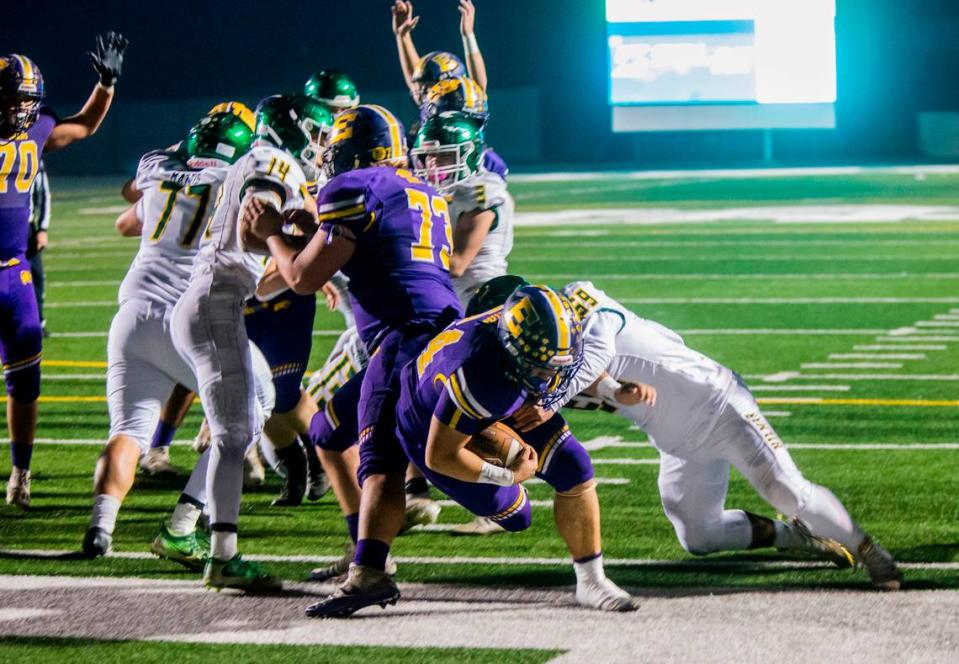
(469, 403)
(344, 201)
(599, 348)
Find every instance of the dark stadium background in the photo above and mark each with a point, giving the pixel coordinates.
(546, 62)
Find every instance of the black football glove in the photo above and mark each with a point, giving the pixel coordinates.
(107, 57)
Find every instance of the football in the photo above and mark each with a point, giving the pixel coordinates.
(496, 444)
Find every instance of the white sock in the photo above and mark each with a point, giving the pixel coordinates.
(589, 571)
(184, 518)
(223, 545)
(105, 509)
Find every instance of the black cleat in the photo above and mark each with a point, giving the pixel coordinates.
(364, 586)
(97, 542)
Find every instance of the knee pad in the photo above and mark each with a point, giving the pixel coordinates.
(23, 380)
(564, 463)
(517, 517)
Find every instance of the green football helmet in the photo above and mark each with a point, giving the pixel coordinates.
(333, 88)
(494, 293)
(223, 137)
(448, 149)
(297, 124)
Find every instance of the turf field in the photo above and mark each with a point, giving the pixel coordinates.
(833, 292)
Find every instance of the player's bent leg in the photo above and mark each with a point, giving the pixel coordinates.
(693, 495)
(156, 461)
(565, 465)
(761, 456)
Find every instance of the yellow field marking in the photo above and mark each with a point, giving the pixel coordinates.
(73, 363)
(815, 401)
(69, 399)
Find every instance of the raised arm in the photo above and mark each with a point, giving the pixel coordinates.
(475, 64)
(403, 24)
(107, 60)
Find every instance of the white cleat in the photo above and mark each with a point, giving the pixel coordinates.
(880, 564)
(421, 510)
(481, 525)
(604, 595)
(18, 488)
(254, 474)
(157, 462)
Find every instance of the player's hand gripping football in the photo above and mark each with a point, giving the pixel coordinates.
(524, 467)
(403, 19)
(107, 57)
(631, 394)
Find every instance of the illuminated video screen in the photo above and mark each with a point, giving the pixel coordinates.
(728, 63)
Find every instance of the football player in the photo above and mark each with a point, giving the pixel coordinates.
(178, 189)
(390, 234)
(423, 74)
(29, 130)
(207, 322)
(703, 419)
(332, 88)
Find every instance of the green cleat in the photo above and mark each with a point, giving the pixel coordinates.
(239, 574)
(191, 550)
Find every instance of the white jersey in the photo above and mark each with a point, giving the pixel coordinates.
(691, 388)
(175, 207)
(266, 171)
(483, 191)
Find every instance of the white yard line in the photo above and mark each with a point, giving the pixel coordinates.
(819, 276)
(789, 300)
(733, 173)
(799, 388)
(919, 338)
(903, 347)
(784, 331)
(877, 356)
(617, 442)
(880, 377)
(936, 323)
(851, 365)
(83, 284)
(80, 304)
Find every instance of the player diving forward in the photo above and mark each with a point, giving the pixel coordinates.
(178, 188)
(208, 328)
(704, 420)
(28, 130)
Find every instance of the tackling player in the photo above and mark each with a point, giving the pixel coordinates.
(704, 420)
(29, 130)
(178, 189)
(207, 323)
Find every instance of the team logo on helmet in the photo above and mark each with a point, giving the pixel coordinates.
(367, 135)
(543, 338)
(21, 93)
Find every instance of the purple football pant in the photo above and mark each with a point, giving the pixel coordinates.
(21, 336)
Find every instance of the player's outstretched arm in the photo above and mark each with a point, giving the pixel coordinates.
(475, 64)
(468, 237)
(107, 60)
(403, 24)
(304, 268)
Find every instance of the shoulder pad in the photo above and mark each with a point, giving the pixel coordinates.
(482, 191)
(276, 171)
(584, 297)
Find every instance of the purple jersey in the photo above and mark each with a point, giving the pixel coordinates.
(460, 377)
(399, 272)
(19, 164)
(495, 164)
